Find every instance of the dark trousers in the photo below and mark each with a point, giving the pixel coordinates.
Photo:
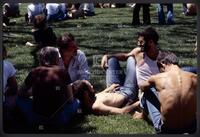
(146, 14)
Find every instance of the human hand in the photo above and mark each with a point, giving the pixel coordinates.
(82, 85)
(104, 62)
(113, 88)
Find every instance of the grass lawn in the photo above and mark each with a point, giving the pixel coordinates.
(109, 31)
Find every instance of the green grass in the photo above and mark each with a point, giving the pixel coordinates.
(109, 31)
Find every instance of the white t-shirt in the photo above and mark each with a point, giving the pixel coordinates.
(52, 8)
(8, 71)
(35, 9)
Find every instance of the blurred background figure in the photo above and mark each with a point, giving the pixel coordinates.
(146, 14)
(43, 34)
(56, 11)
(88, 9)
(34, 9)
(11, 9)
(161, 15)
(74, 12)
(190, 9)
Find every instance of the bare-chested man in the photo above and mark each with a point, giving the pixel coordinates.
(174, 109)
(102, 103)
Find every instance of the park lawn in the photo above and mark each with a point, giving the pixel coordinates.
(109, 31)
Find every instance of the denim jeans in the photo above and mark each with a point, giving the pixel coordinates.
(151, 106)
(161, 15)
(128, 82)
(57, 17)
(60, 119)
(190, 69)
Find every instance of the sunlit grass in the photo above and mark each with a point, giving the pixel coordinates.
(109, 31)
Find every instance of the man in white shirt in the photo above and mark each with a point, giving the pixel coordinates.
(73, 59)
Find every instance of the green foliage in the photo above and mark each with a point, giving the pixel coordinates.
(109, 31)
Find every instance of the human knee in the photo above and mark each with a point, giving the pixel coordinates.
(131, 60)
(112, 60)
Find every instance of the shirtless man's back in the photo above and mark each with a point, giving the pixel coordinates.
(177, 94)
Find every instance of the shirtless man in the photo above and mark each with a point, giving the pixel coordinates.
(49, 86)
(141, 64)
(100, 103)
(176, 100)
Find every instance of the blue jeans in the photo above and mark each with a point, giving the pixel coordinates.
(57, 17)
(128, 82)
(60, 119)
(190, 69)
(161, 15)
(151, 106)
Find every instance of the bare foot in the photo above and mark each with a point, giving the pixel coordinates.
(30, 44)
(138, 115)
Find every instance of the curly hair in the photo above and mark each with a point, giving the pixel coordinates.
(149, 34)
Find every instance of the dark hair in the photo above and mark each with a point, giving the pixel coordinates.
(39, 21)
(80, 95)
(48, 56)
(64, 40)
(149, 34)
(167, 57)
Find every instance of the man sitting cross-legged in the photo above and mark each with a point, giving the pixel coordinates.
(173, 108)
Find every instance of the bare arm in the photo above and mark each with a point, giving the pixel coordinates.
(26, 88)
(145, 85)
(111, 88)
(25, 91)
(12, 86)
(102, 109)
(69, 93)
(119, 56)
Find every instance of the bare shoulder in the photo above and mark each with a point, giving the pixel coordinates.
(159, 76)
(135, 51)
(190, 77)
(190, 74)
(193, 77)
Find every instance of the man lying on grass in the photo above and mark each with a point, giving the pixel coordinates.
(102, 103)
(173, 108)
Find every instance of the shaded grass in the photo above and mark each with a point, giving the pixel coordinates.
(109, 31)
